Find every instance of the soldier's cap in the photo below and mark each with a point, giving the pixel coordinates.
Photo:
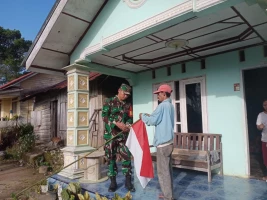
(126, 88)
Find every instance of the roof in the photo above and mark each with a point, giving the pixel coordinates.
(17, 80)
(57, 86)
(207, 32)
(62, 31)
(229, 29)
(40, 31)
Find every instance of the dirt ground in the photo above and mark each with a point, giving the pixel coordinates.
(14, 178)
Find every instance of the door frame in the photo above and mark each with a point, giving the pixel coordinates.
(183, 83)
(54, 118)
(204, 102)
(245, 122)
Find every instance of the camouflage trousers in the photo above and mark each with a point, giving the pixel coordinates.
(114, 147)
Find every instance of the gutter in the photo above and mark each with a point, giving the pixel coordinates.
(40, 32)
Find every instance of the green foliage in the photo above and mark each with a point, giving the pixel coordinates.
(85, 196)
(74, 188)
(17, 140)
(43, 182)
(54, 158)
(14, 197)
(73, 192)
(11, 135)
(65, 195)
(12, 51)
(44, 164)
(25, 129)
(128, 196)
(98, 197)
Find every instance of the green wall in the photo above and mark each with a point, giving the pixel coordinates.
(117, 16)
(224, 105)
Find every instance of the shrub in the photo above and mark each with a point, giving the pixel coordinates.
(18, 140)
(9, 136)
(73, 192)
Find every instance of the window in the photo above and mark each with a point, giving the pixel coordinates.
(189, 100)
(15, 106)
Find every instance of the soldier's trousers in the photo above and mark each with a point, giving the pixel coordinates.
(111, 149)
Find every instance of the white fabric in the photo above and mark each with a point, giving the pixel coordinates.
(214, 156)
(262, 119)
(137, 152)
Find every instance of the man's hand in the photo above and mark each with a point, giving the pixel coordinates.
(140, 115)
(122, 126)
(260, 127)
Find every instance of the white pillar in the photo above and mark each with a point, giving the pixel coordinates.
(77, 123)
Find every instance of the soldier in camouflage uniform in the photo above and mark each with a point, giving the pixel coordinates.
(117, 118)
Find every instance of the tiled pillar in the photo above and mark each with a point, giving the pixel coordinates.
(77, 123)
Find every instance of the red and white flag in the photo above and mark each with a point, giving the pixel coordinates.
(138, 145)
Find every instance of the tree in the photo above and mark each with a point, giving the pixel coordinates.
(12, 51)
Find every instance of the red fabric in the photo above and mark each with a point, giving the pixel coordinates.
(264, 152)
(141, 135)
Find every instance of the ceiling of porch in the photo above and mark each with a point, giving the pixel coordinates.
(64, 28)
(234, 28)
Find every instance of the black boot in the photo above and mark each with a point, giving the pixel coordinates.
(113, 185)
(128, 184)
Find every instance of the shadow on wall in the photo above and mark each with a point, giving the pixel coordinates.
(110, 86)
(221, 73)
(255, 93)
(98, 24)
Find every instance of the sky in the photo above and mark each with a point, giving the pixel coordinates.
(25, 15)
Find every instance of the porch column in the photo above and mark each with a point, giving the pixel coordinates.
(77, 122)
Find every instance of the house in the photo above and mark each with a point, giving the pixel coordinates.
(48, 115)
(11, 93)
(213, 53)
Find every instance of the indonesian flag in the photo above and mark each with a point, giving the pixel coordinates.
(137, 143)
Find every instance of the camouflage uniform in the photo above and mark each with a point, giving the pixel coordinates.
(114, 111)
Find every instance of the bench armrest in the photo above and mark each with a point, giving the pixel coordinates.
(214, 156)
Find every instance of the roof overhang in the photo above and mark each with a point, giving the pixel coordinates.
(210, 31)
(232, 27)
(17, 81)
(64, 28)
(6, 94)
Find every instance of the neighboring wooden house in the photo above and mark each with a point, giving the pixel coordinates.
(49, 111)
(49, 116)
(11, 93)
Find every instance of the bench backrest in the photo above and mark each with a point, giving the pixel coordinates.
(197, 141)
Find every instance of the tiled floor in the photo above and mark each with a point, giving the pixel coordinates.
(256, 166)
(188, 185)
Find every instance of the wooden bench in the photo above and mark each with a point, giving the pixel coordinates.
(197, 151)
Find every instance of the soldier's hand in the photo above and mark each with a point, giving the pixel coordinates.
(122, 126)
(127, 129)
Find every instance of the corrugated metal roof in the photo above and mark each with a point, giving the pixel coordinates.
(58, 86)
(17, 80)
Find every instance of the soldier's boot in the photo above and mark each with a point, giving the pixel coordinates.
(128, 183)
(113, 185)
